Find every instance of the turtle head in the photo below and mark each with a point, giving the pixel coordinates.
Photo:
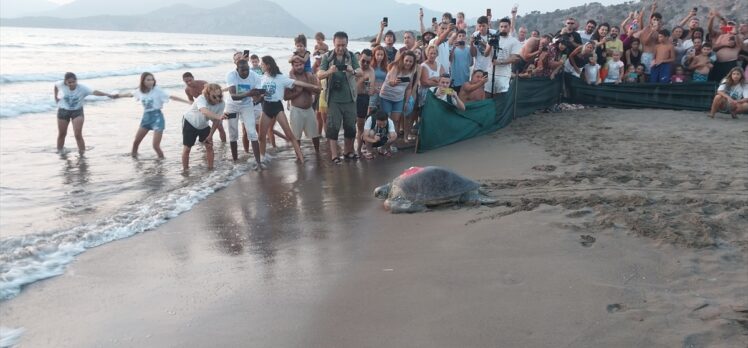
(382, 192)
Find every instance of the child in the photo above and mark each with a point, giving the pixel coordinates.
(300, 42)
(461, 24)
(70, 108)
(379, 133)
(254, 62)
(679, 76)
(591, 73)
(664, 56)
(320, 47)
(641, 72)
(702, 64)
(633, 54)
(631, 75)
(615, 68)
(730, 95)
(153, 99)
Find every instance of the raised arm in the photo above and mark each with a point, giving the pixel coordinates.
(380, 36)
(173, 97)
(420, 20)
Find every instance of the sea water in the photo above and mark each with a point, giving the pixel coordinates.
(54, 206)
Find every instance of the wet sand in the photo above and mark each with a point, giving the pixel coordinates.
(615, 228)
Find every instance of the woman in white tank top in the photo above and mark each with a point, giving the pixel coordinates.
(430, 72)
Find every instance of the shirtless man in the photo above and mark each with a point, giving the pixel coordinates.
(303, 117)
(530, 52)
(193, 89)
(727, 46)
(664, 56)
(473, 89)
(648, 37)
(364, 89)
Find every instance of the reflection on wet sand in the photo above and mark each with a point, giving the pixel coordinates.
(75, 178)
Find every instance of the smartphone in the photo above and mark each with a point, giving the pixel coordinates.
(460, 43)
(695, 9)
(246, 53)
(488, 12)
(404, 79)
(386, 21)
(485, 74)
(418, 37)
(454, 21)
(341, 67)
(433, 19)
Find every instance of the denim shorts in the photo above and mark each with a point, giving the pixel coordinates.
(389, 106)
(153, 120)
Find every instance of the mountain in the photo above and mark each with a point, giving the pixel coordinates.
(356, 18)
(89, 8)
(18, 8)
(245, 17)
(672, 11)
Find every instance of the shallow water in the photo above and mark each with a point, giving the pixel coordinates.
(54, 206)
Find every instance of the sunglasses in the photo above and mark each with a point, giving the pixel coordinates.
(366, 61)
(217, 96)
(570, 23)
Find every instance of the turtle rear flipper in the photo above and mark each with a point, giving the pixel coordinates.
(476, 198)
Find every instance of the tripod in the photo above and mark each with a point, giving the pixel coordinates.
(496, 50)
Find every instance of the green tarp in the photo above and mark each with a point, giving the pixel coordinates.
(695, 96)
(442, 124)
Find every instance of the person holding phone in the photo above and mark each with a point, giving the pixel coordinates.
(398, 86)
(473, 89)
(389, 40)
(341, 96)
(446, 93)
(460, 61)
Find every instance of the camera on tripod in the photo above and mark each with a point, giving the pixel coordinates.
(493, 39)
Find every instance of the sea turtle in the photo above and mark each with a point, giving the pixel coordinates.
(418, 188)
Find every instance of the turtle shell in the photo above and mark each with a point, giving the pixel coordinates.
(429, 184)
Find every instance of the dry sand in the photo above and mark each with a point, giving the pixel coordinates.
(616, 228)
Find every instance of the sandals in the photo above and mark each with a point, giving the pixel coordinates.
(337, 160)
(351, 156)
(368, 155)
(387, 154)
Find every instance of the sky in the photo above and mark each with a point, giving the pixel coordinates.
(478, 8)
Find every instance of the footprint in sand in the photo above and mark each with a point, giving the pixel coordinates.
(615, 307)
(586, 240)
(544, 168)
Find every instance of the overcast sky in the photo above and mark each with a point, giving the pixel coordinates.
(476, 8)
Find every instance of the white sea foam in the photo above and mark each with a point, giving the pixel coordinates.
(16, 78)
(9, 337)
(29, 258)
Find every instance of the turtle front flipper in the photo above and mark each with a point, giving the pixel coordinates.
(399, 205)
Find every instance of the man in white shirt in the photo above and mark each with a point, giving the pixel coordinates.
(443, 43)
(507, 54)
(479, 45)
(241, 82)
(589, 29)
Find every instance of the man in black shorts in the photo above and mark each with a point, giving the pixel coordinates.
(363, 91)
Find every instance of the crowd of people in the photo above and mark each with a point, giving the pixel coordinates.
(376, 95)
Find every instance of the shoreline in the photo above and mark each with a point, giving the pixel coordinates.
(305, 256)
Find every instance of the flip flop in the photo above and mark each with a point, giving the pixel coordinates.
(337, 160)
(351, 156)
